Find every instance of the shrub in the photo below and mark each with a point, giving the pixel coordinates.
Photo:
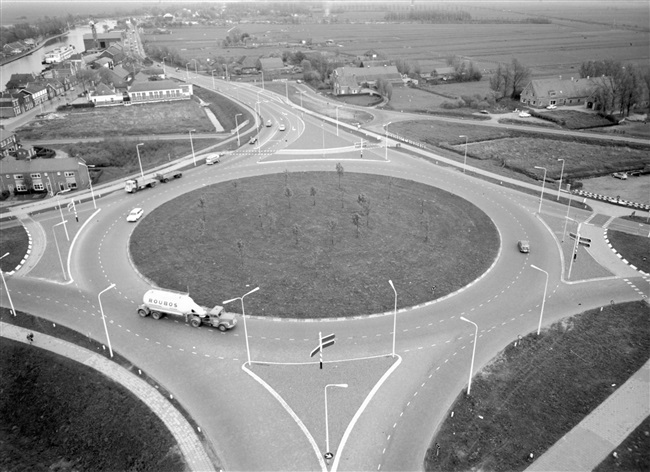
(4, 194)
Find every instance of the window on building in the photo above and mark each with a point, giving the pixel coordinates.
(72, 184)
(35, 176)
(20, 187)
(69, 174)
(18, 176)
(38, 187)
(551, 94)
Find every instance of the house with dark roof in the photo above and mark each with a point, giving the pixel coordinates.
(36, 90)
(105, 95)
(41, 175)
(10, 105)
(541, 93)
(159, 91)
(350, 80)
(104, 40)
(8, 144)
(21, 80)
(270, 64)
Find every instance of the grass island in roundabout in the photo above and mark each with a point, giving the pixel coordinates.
(318, 244)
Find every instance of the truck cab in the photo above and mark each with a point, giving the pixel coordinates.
(217, 317)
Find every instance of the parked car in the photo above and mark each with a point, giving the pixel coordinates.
(620, 175)
(282, 127)
(214, 158)
(135, 215)
(484, 112)
(524, 114)
(524, 246)
(551, 107)
(253, 140)
(269, 123)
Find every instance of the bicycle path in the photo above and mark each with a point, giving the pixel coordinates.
(603, 430)
(188, 441)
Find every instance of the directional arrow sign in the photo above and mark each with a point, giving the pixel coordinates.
(582, 241)
(325, 341)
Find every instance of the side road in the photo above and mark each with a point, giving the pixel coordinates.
(189, 443)
(600, 433)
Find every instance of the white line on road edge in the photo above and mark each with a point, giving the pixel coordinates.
(363, 406)
(298, 421)
(74, 240)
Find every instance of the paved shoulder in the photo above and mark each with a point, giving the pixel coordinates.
(188, 441)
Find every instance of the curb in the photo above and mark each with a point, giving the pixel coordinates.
(620, 256)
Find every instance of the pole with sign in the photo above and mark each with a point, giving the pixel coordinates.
(323, 342)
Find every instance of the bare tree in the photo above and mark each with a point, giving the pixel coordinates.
(331, 224)
(364, 201)
(240, 247)
(391, 181)
(356, 221)
(288, 193)
(426, 223)
(520, 77)
(313, 192)
(339, 171)
(297, 232)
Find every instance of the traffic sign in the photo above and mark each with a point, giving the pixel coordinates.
(325, 341)
(584, 241)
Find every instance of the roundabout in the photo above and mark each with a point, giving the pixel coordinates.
(317, 250)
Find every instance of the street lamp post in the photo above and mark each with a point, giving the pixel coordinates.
(262, 79)
(471, 368)
(574, 252)
(566, 218)
(4, 282)
(237, 128)
(213, 87)
(301, 93)
(559, 188)
(322, 125)
(192, 146)
(327, 431)
(337, 118)
(465, 158)
(56, 242)
(541, 197)
(386, 139)
(63, 221)
(137, 149)
(196, 70)
(394, 314)
(90, 181)
(243, 315)
(101, 309)
(541, 315)
(187, 71)
(163, 62)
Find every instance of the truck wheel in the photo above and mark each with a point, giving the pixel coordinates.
(143, 313)
(195, 322)
(156, 315)
(222, 328)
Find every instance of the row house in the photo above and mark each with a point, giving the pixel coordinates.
(10, 105)
(42, 175)
(8, 145)
(159, 91)
(37, 91)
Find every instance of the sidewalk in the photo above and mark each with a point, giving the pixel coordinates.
(189, 443)
(601, 432)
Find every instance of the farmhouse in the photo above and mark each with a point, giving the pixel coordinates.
(350, 80)
(104, 95)
(159, 91)
(541, 93)
(41, 175)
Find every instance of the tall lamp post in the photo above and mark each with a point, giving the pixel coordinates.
(101, 309)
(386, 139)
(56, 242)
(337, 118)
(213, 87)
(4, 282)
(465, 158)
(394, 315)
(301, 92)
(243, 315)
(63, 221)
(196, 71)
(187, 71)
(574, 252)
(559, 188)
(566, 218)
(327, 430)
(90, 181)
(539, 326)
(471, 368)
(237, 128)
(163, 62)
(137, 149)
(541, 197)
(262, 79)
(192, 146)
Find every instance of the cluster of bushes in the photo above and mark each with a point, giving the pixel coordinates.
(466, 101)
(548, 117)
(4, 195)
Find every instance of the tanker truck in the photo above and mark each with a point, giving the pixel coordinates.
(161, 302)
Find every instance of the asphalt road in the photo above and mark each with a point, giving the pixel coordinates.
(251, 428)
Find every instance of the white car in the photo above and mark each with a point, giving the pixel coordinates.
(524, 114)
(269, 124)
(253, 140)
(282, 127)
(551, 107)
(135, 215)
(620, 175)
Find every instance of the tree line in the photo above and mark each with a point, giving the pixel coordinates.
(42, 28)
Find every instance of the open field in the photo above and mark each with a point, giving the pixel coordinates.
(146, 119)
(551, 49)
(15, 242)
(312, 259)
(531, 395)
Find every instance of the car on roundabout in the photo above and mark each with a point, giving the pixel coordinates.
(282, 127)
(269, 123)
(135, 215)
(524, 246)
(253, 140)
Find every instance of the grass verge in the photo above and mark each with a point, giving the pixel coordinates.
(303, 248)
(531, 395)
(15, 242)
(634, 249)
